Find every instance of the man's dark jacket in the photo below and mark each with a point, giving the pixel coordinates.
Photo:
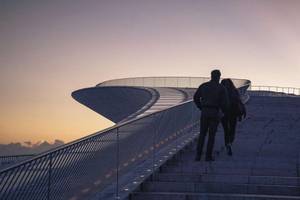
(210, 97)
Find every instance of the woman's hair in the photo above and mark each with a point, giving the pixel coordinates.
(228, 84)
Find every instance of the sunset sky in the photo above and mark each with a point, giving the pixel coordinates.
(50, 48)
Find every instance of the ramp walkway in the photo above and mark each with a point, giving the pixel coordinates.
(167, 98)
(264, 165)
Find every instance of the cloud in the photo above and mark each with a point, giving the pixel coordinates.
(28, 147)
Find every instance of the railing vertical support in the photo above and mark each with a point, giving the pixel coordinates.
(176, 140)
(153, 144)
(117, 164)
(49, 176)
(193, 121)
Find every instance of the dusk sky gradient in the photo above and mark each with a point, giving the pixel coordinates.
(50, 48)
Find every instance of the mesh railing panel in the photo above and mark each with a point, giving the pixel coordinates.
(6, 161)
(274, 91)
(179, 82)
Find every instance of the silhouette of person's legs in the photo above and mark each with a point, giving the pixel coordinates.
(232, 127)
(213, 125)
(229, 125)
(225, 124)
(203, 130)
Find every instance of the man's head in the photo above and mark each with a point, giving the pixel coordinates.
(215, 75)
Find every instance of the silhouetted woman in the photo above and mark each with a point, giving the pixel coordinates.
(235, 112)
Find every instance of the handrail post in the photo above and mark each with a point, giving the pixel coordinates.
(192, 118)
(117, 164)
(49, 176)
(176, 141)
(153, 142)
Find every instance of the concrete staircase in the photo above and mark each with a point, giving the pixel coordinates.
(264, 165)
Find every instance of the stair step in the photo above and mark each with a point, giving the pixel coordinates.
(219, 187)
(229, 163)
(228, 178)
(205, 196)
(238, 171)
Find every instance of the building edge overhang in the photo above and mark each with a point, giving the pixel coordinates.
(123, 99)
(115, 102)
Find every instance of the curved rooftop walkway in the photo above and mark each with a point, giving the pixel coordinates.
(265, 162)
(168, 97)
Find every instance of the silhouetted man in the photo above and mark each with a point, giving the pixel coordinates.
(211, 98)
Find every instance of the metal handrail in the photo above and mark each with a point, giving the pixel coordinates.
(192, 82)
(119, 125)
(45, 161)
(46, 175)
(263, 90)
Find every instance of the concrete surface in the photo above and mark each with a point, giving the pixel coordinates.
(264, 165)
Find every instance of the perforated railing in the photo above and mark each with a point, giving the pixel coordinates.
(275, 91)
(6, 161)
(80, 169)
(178, 82)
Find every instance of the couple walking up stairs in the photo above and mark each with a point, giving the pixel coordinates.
(265, 163)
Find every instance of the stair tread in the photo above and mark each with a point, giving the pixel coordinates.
(228, 178)
(221, 195)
